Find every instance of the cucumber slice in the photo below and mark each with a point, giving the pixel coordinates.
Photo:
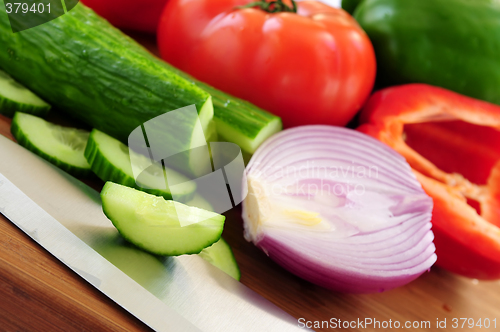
(14, 97)
(220, 255)
(144, 268)
(110, 160)
(61, 146)
(200, 202)
(159, 226)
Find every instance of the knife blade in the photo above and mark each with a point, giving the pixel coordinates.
(182, 293)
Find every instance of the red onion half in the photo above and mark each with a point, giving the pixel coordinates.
(339, 209)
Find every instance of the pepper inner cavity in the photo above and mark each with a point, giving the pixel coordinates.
(464, 154)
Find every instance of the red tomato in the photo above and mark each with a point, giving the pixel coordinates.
(129, 14)
(314, 67)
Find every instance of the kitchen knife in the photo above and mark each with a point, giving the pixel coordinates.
(167, 293)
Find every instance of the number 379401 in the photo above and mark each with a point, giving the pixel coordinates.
(20, 7)
(471, 323)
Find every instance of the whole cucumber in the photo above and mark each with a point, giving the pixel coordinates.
(83, 66)
(454, 44)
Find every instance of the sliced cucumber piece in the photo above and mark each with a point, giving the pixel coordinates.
(200, 202)
(61, 146)
(144, 268)
(110, 160)
(14, 97)
(220, 255)
(157, 225)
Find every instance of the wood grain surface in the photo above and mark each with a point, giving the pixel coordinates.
(38, 293)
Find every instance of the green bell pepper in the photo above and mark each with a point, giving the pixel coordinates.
(454, 44)
(350, 5)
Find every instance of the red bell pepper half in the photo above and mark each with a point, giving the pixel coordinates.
(452, 142)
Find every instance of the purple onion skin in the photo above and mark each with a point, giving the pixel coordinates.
(336, 280)
(328, 268)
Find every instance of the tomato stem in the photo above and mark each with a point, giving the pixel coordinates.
(276, 6)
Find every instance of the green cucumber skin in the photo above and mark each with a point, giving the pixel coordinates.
(89, 69)
(14, 97)
(9, 108)
(221, 250)
(242, 116)
(159, 253)
(245, 118)
(107, 172)
(21, 139)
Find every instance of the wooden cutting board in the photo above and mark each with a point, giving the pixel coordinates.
(38, 293)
